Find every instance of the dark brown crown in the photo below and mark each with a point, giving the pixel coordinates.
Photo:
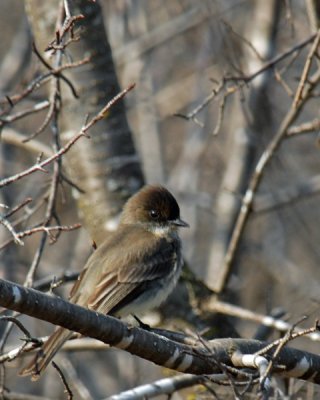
(151, 203)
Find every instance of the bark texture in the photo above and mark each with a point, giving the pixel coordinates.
(107, 167)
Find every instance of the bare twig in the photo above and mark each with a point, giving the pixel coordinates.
(21, 114)
(286, 87)
(44, 124)
(64, 381)
(192, 114)
(305, 88)
(10, 228)
(47, 229)
(242, 313)
(304, 77)
(242, 81)
(103, 113)
(41, 80)
(282, 342)
(18, 324)
(306, 127)
(35, 84)
(56, 73)
(18, 207)
(29, 211)
(274, 61)
(4, 221)
(39, 166)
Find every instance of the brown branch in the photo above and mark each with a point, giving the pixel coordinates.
(10, 228)
(103, 113)
(42, 79)
(304, 77)
(282, 342)
(47, 229)
(45, 123)
(306, 127)
(18, 207)
(305, 88)
(29, 211)
(273, 61)
(64, 381)
(242, 81)
(75, 64)
(68, 24)
(35, 84)
(39, 166)
(56, 73)
(21, 114)
(192, 114)
(8, 225)
(282, 82)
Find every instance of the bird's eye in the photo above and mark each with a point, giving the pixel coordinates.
(154, 214)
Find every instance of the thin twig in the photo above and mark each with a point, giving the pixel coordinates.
(283, 342)
(273, 61)
(303, 93)
(11, 229)
(47, 229)
(242, 80)
(18, 207)
(56, 73)
(23, 113)
(39, 166)
(306, 70)
(306, 127)
(64, 381)
(103, 113)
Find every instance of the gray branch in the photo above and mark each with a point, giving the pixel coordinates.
(211, 358)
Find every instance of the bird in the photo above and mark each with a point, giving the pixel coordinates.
(132, 271)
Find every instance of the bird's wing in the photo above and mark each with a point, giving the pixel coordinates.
(152, 266)
(119, 284)
(74, 290)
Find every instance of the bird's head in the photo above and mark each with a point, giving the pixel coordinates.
(155, 208)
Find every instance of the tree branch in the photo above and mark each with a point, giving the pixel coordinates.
(215, 356)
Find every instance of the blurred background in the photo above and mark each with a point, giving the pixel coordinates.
(198, 121)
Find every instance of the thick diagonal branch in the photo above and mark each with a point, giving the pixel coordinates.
(209, 359)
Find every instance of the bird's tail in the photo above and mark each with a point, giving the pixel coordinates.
(45, 355)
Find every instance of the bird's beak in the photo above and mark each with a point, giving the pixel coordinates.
(179, 222)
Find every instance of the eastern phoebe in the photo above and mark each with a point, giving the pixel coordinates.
(134, 270)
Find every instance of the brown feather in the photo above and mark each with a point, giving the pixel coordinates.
(115, 277)
(45, 355)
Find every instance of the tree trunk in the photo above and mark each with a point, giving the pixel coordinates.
(106, 167)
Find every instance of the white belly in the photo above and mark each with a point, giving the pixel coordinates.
(155, 296)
